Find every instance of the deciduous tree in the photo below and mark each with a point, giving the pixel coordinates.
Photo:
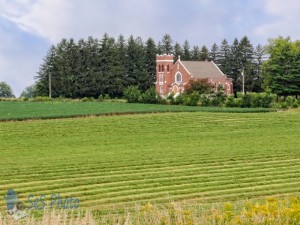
(6, 91)
(282, 69)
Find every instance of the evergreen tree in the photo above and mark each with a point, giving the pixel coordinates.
(137, 74)
(122, 49)
(204, 53)
(73, 69)
(150, 62)
(214, 53)
(110, 80)
(166, 45)
(234, 66)
(47, 68)
(247, 61)
(177, 51)
(259, 53)
(62, 73)
(89, 68)
(196, 54)
(186, 51)
(225, 55)
(159, 48)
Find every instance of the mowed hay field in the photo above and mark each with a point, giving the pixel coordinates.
(111, 163)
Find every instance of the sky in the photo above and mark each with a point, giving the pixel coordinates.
(29, 27)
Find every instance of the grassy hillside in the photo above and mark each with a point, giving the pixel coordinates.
(111, 163)
(10, 110)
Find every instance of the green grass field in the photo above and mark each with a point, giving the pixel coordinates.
(10, 110)
(111, 163)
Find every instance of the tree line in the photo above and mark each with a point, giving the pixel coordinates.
(93, 67)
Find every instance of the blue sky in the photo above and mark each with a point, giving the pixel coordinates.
(29, 27)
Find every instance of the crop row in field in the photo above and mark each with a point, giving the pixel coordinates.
(111, 163)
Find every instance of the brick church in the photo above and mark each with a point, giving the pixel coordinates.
(172, 77)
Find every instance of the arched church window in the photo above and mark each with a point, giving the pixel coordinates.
(178, 77)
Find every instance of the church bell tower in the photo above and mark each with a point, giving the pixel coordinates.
(164, 65)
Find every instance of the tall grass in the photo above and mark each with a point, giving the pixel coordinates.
(271, 211)
(53, 218)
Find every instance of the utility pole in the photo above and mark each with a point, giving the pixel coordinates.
(243, 76)
(49, 84)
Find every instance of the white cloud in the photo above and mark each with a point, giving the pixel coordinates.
(288, 9)
(285, 19)
(13, 9)
(195, 19)
(45, 18)
(56, 19)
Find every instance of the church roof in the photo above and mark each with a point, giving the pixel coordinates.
(203, 69)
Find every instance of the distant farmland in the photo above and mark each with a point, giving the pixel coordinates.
(111, 163)
(19, 110)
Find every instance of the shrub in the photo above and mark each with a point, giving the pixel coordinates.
(179, 100)
(132, 94)
(199, 86)
(219, 98)
(106, 97)
(161, 100)
(192, 99)
(171, 99)
(295, 105)
(230, 102)
(266, 100)
(214, 101)
(257, 101)
(205, 100)
(42, 99)
(284, 105)
(100, 98)
(238, 102)
(149, 96)
(246, 101)
(85, 99)
(290, 101)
